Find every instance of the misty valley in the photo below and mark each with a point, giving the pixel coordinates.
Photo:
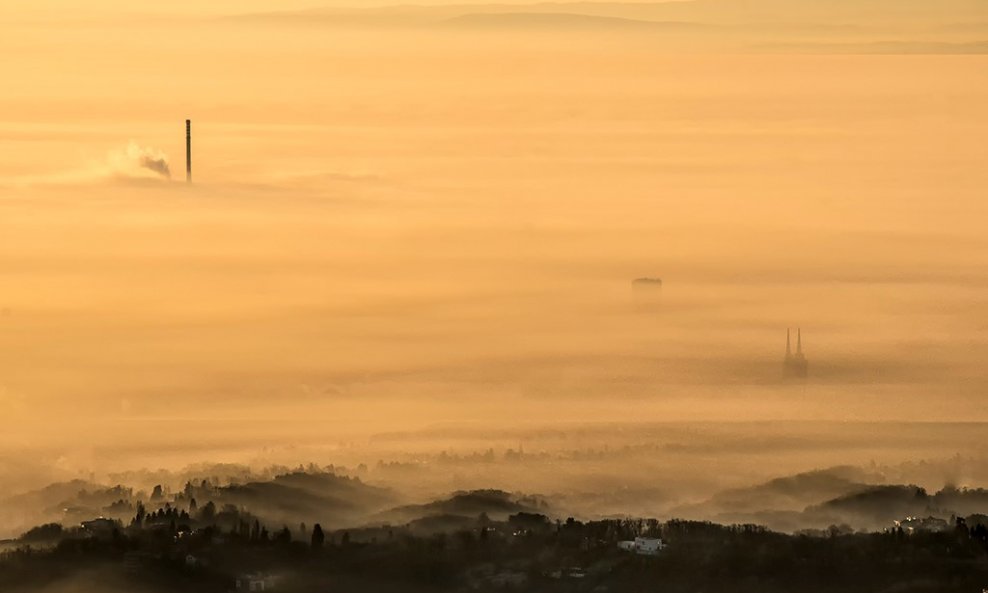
(584, 522)
(312, 296)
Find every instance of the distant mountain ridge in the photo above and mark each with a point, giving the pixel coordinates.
(773, 26)
(564, 20)
(845, 12)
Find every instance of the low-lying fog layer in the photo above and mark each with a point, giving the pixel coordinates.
(433, 233)
(769, 473)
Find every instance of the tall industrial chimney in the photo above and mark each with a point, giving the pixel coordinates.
(188, 151)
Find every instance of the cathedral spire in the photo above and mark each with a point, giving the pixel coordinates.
(795, 365)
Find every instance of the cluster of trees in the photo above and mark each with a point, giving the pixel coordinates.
(166, 515)
(978, 533)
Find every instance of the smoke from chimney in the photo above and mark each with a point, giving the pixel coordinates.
(136, 161)
(158, 165)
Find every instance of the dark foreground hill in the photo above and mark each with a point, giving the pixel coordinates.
(526, 553)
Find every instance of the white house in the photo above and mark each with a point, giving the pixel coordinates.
(643, 546)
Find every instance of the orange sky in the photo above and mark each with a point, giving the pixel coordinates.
(399, 226)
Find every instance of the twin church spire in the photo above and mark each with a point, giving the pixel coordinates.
(795, 365)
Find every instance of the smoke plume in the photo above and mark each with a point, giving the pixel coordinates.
(159, 165)
(140, 162)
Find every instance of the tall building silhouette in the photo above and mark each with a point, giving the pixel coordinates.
(795, 366)
(647, 293)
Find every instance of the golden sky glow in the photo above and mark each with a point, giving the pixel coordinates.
(409, 217)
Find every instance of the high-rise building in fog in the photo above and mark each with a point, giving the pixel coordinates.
(795, 366)
(646, 293)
